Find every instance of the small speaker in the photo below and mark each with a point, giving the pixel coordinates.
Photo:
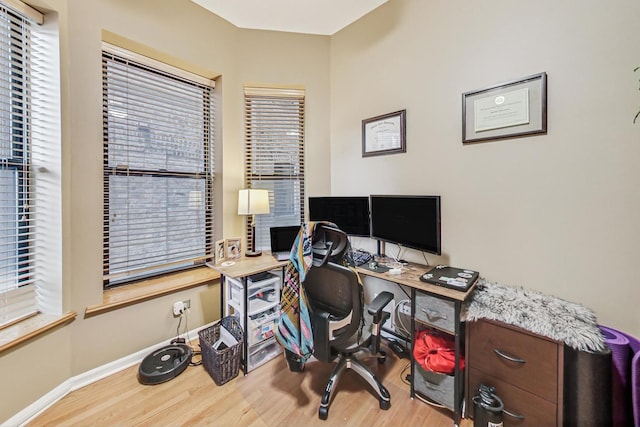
(164, 364)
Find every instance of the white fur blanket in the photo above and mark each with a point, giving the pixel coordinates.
(545, 315)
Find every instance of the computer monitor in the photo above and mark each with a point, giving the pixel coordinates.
(350, 214)
(411, 221)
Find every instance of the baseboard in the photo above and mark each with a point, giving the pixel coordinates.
(74, 383)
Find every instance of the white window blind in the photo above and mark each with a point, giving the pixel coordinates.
(274, 149)
(17, 203)
(158, 168)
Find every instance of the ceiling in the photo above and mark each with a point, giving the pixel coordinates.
(323, 17)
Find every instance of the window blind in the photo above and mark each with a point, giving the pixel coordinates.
(17, 204)
(158, 168)
(274, 149)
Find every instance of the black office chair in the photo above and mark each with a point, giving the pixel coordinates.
(341, 325)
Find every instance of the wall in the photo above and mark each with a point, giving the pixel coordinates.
(556, 213)
(183, 30)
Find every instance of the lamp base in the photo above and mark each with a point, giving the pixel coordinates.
(253, 253)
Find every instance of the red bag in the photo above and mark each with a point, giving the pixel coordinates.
(436, 352)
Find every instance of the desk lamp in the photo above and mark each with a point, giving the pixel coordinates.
(253, 202)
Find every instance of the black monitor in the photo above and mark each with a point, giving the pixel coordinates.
(411, 221)
(350, 214)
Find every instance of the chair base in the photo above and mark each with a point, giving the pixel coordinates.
(350, 362)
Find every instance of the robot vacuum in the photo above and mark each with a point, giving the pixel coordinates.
(164, 364)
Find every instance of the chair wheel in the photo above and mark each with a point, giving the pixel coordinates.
(323, 412)
(385, 404)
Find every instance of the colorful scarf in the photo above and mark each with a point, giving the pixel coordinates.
(294, 325)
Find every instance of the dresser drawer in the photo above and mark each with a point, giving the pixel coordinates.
(534, 360)
(536, 412)
(434, 311)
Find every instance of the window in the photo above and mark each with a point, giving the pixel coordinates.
(274, 135)
(158, 167)
(18, 227)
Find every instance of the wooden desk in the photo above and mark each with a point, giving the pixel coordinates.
(246, 266)
(240, 271)
(423, 294)
(410, 277)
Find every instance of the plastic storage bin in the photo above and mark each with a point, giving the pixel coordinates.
(222, 364)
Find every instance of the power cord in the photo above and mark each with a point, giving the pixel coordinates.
(406, 330)
(179, 340)
(406, 378)
(426, 260)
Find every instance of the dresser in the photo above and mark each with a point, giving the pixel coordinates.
(526, 370)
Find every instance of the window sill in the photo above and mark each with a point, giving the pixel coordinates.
(145, 290)
(16, 334)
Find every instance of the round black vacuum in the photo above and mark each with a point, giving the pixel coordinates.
(164, 364)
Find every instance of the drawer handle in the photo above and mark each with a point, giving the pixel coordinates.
(432, 386)
(511, 414)
(509, 358)
(434, 314)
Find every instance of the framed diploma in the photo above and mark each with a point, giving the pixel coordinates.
(384, 134)
(507, 110)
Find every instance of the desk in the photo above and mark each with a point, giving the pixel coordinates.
(410, 277)
(423, 294)
(240, 271)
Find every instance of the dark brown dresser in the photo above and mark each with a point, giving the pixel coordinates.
(526, 370)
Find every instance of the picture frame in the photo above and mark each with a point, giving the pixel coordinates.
(232, 248)
(219, 251)
(385, 134)
(506, 110)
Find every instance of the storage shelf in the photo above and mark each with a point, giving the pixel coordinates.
(257, 313)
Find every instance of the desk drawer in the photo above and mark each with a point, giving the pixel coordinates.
(436, 312)
(537, 368)
(537, 412)
(437, 387)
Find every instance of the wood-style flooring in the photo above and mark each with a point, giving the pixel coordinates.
(270, 395)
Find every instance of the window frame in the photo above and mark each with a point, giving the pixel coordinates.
(272, 121)
(207, 173)
(18, 290)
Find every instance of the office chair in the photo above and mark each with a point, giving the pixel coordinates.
(342, 327)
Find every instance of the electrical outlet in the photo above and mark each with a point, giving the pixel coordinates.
(405, 309)
(179, 307)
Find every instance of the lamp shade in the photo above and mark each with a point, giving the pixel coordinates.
(252, 201)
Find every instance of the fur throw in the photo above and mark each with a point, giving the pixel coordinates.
(545, 315)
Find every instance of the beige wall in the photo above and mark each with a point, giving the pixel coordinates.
(183, 30)
(557, 213)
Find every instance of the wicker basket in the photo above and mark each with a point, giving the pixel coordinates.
(223, 364)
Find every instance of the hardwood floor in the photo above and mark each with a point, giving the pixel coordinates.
(271, 395)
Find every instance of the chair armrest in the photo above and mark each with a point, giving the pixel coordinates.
(379, 302)
(320, 326)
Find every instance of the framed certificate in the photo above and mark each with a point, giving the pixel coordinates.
(384, 134)
(507, 110)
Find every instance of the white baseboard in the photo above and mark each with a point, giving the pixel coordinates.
(36, 408)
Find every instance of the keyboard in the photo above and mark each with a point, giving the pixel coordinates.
(358, 257)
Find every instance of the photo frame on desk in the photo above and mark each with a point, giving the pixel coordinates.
(232, 248)
(507, 110)
(219, 252)
(384, 134)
